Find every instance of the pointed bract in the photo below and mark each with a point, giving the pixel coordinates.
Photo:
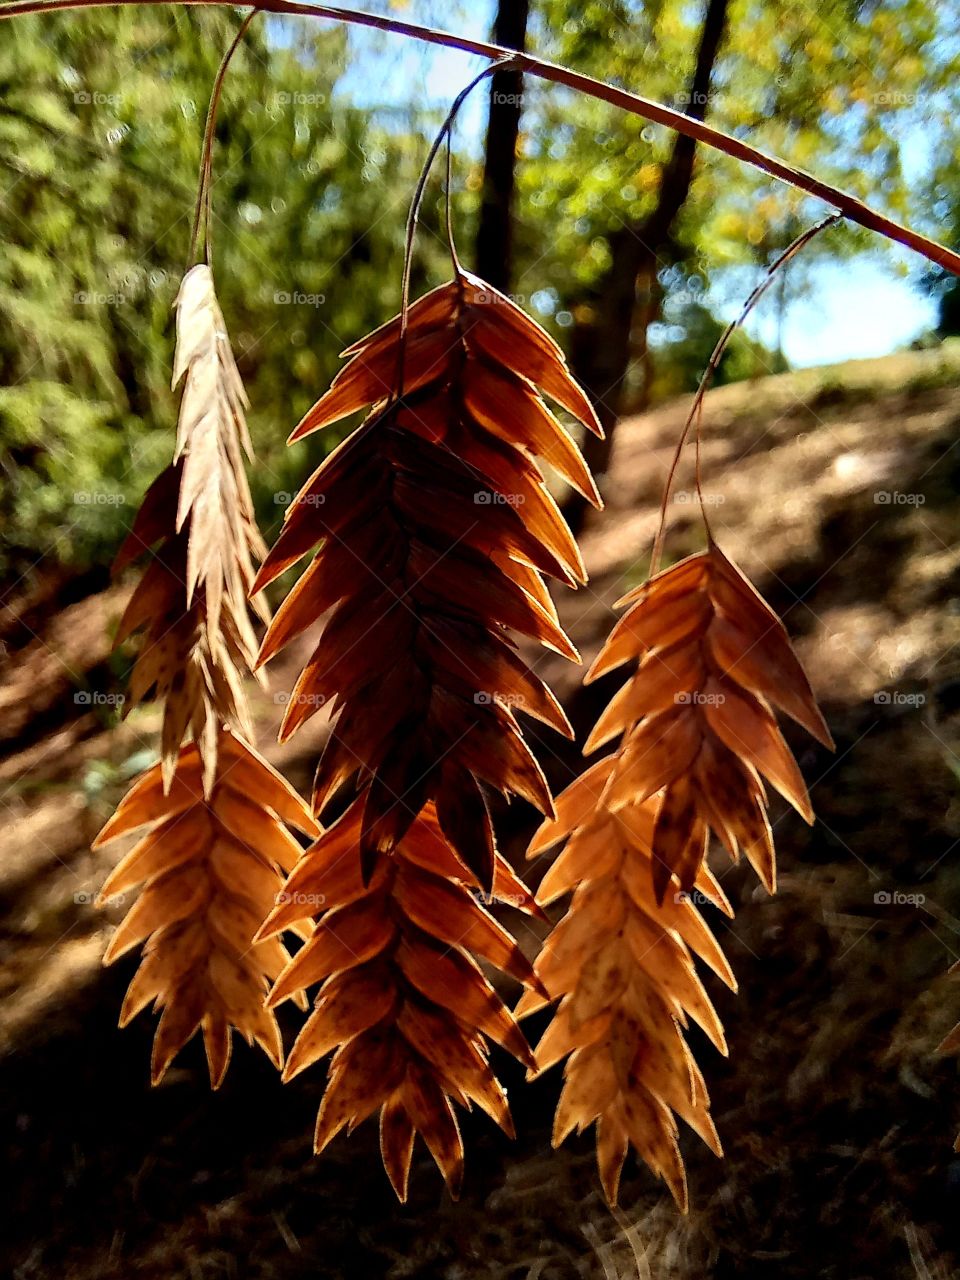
(208, 882)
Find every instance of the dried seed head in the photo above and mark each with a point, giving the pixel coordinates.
(212, 869)
(697, 734)
(696, 715)
(433, 525)
(404, 1006)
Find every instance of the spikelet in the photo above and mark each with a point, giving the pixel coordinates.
(217, 849)
(433, 525)
(212, 869)
(622, 966)
(403, 1005)
(696, 717)
(192, 670)
(211, 438)
(192, 598)
(698, 732)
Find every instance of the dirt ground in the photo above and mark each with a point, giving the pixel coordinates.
(837, 492)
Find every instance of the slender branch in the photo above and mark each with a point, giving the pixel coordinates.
(416, 202)
(204, 209)
(847, 204)
(712, 365)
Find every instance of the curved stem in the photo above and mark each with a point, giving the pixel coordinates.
(447, 206)
(712, 364)
(204, 207)
(417, 201)
(848, 205)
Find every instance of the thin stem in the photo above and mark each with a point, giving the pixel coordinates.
(656, 112)
(448, 211)
(203, 212)
(417, 201)
(712, 364)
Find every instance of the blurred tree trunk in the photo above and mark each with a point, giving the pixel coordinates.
(495, 232)
(630, 289)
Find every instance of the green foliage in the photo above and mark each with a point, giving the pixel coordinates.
(101, 118)
(842, 89)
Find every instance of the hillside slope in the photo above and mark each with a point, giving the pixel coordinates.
(837, 492)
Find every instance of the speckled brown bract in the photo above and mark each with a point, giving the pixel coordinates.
(212, 868)
(697, 715)
(217, 849)
(622, 966)
(198, 516)
(433, 525)
(698, 731)
(404, 1006)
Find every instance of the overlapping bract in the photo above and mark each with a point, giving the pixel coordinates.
(433, 526)
(212, 868)
(696, 715)
(192, 668)
(192, 598)
(622, 966)
(212, 437)
(404, 1006)
(698, 731)
(217, 850)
